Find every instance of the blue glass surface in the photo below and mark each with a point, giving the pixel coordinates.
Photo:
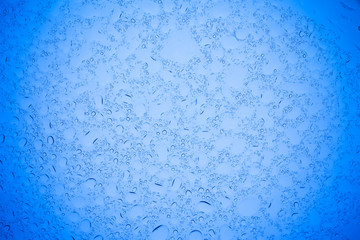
(179, 119)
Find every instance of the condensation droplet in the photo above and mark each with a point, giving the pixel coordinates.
(160, 233)
(22, 142)
(85, 226)
(195, 235)
(98, 237)
(50, 140)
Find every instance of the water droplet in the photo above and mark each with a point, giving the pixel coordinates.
(85, 226)
(22, 142)
(73, 217)
(160, 233)
(195, 235)
(50, 140)
(7, 227)
(89, 183)
(98, 237)
(205, 207)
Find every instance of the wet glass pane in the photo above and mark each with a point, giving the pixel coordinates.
(179, 119)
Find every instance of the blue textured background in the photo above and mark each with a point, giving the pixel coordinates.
(179, 119)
